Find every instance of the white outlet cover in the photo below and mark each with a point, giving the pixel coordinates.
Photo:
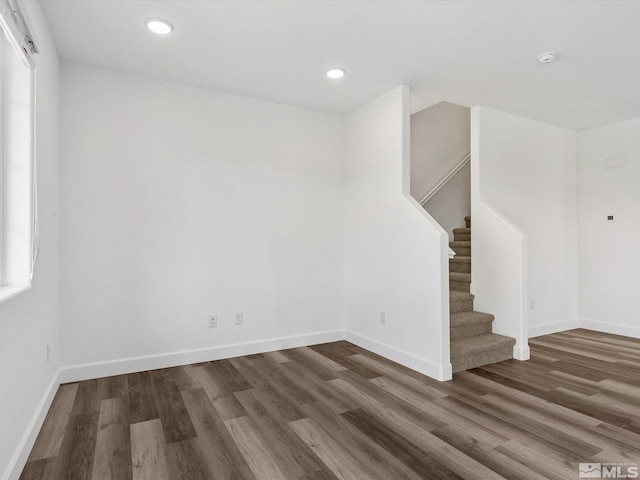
(213, 321)
(239, 318)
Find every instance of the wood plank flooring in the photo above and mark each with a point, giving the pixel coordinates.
(336, 411)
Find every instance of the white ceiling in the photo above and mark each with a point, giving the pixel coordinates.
(467, 52)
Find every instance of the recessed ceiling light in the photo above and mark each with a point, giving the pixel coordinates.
(335, 73)
(547, 57)
(157, 25)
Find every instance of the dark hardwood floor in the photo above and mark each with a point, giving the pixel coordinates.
(336, 411)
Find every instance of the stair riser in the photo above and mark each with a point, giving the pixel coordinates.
(482, 358)
(463, 306)
(461, 237)
(462, 251)
(459, 286)
(474, 330)
(460, 267)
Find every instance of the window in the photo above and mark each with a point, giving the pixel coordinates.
(18, 219)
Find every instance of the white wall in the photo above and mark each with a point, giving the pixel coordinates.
(440, 138)
(395, 254)
(30, 321)
(180, 202)
(609, 254)
(452, 202)
(499, 271)
(527, 171)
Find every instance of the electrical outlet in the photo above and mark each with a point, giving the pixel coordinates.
(239, 318)
(383, 318)
(213, 321)
(48, 353)
(532, 304)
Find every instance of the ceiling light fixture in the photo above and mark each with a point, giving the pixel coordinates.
(335, 73)
(547, 57)
(159, 26)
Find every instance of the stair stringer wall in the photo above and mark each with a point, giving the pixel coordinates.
(526, 170)
(499, 274)
(396, 255)
(498, 261)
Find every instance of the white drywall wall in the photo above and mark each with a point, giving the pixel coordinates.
(452, 202)
(526, 171)
(30, 321)
(440, 138)
(180, 202)
(499, 253)
(499, 273)
(395, 253)
(609, 254)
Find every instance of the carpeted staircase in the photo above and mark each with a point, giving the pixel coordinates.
(472, 342)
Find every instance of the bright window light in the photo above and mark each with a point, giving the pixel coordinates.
(18, 207)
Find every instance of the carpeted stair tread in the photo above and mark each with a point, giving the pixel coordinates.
(461, 234)
(461, 247)
(470, 324)
(463, 319)
(460, 277)
(455, 296)
(460, 259)
(459, 281)
(460, 264)
(484, 343)
(460, 301)
(466, 244)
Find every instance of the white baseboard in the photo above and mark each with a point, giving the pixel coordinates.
(614, 328)
(19, 458)
(556, 327)
(439, 372)
(86, 371)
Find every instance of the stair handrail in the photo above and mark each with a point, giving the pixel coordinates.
(446, 179)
